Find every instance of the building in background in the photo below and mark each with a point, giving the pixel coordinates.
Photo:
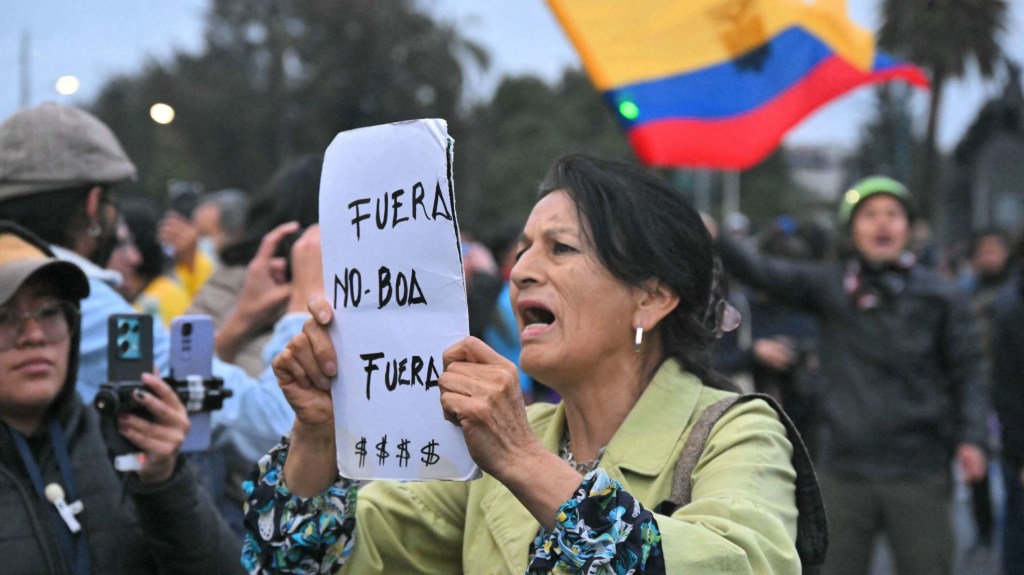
(821, 170)
(987, 188)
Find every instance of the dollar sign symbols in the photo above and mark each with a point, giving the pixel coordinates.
(382, 451)
(429, 457)
(403, 453)
(361, 451)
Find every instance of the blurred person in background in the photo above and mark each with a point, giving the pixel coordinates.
(144, 266)
(987, 271)
(59, 167)
(153, 520)
(244, 311)
(125, 256)
(902, 382)
(59, 171)
(220, 219)
(775, 343)
(483, 282)
(1008, 397)
(180, 236)
(247, 297)
(737, 225)
(500, 330)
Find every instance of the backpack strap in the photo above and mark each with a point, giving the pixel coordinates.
(812, 526)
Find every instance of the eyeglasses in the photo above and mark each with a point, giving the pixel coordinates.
(54, 319)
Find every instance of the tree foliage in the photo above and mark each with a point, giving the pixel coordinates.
(512, 139)
(887, 144)
(768, 191)
(280, 78)
(944, 37)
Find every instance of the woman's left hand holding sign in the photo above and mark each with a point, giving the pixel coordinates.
(480, 392)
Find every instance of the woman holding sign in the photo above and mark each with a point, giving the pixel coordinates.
(616, 295)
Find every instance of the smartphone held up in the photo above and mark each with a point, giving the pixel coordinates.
(130, 354)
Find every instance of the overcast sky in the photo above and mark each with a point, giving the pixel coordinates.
(96, 39)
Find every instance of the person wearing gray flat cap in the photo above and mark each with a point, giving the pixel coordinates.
(59, 170)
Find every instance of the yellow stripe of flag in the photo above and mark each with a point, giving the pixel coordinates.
(626, 41)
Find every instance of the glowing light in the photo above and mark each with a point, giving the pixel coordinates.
(67, 85)
(852, 196)
(161, 113)
(629, 110)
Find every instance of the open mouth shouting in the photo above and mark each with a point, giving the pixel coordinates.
(535, 317)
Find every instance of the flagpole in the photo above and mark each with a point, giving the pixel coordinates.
(703, 188)
(25, 74)
(730, 192)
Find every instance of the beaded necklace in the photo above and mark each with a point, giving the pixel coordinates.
(565, 451)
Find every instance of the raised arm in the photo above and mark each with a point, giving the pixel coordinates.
(312, 461)
(298, 510)
(480, 393)
(263, 298)
(793, 283)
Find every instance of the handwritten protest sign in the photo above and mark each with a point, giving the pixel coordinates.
(393, 273)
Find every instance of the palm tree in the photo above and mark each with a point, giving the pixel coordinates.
(943, 37)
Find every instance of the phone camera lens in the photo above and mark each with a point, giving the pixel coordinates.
(186, 329)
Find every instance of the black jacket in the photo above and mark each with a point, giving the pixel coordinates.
(1008, 369)
(901, 384)
(130, 528)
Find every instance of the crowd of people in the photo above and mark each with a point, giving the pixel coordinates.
(922, 361)
(601, 328)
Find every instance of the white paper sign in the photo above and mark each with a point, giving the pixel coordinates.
(393, 273)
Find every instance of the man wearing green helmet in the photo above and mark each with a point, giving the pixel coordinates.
(881, 230)
(902, 382)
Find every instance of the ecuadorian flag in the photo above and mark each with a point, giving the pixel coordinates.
(718, 83)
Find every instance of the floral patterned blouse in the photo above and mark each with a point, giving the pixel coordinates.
(601, 530)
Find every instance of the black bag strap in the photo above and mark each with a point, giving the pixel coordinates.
(812, 526)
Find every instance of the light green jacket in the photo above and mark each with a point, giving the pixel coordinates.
(742, 518)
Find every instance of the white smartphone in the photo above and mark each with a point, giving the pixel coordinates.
(191, 346)
(192, 357)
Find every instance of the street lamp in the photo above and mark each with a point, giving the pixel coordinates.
(67, 85)
(161, 113)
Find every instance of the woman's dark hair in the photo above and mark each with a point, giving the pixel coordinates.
(643, 228)
(292, 195)
(143, 219)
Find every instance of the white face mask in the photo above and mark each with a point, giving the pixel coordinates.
(208, 246)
